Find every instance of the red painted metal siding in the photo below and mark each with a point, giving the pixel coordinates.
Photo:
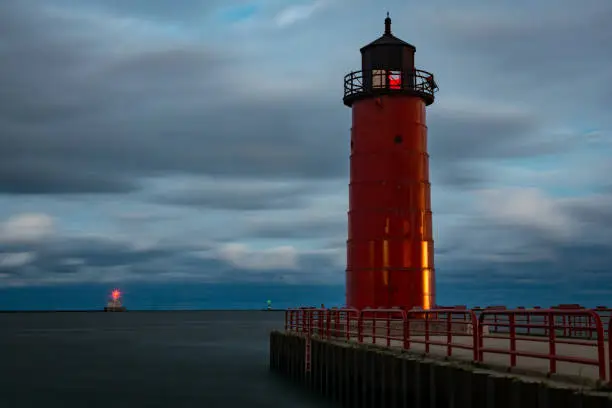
(390, 244)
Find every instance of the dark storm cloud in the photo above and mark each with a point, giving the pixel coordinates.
(189, 10)
(18, 178)
(57, 255)
(458, 141)
(74, 255)
(98, 259)
(551, 54)
(547, 60)
(99, 119)
(470, 135)
(303, 228)
(320, 262)
(597, 213)
(576, 266)
(239, 195)
(454, 173)
(88, 107)
(545, 45)
(576, 254)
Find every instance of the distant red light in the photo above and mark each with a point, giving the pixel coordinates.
(115, 294)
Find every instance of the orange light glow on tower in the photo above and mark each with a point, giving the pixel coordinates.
(390, 244)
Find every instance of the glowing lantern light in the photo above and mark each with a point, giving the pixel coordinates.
(116, 294)
(114, 303)
(395, 81)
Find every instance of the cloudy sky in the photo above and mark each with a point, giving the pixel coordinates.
(204, 142)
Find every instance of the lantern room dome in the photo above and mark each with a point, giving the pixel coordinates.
(388, 38)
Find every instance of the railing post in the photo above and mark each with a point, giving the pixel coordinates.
(512, 321)
(302, 321)
(475, 331)
(552, 347)
(407, 331)
(601, 351)
(528, 321)
(480, 337)
(294, 320)
(426, 332)
(347, 324)
(299, 321)
(310, 321)
(449, 334)
(360, 327)
(388, 329)
(374, 329)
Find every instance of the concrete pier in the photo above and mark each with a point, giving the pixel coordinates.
(368, 376)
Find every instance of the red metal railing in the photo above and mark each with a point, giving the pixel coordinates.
(572, 326)
(394, 321)
(553, 330)
(342, 320)
(550, 322)
(448, 323)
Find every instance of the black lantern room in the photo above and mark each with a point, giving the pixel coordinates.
(387, 67)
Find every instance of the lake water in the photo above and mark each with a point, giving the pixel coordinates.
(142, 359)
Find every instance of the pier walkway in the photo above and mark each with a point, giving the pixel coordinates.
(577, 368)
(562, 343)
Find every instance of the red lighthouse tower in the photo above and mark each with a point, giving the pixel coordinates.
(390, 244)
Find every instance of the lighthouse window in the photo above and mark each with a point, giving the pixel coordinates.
(398, 139)
(395, 79)
(378, 78)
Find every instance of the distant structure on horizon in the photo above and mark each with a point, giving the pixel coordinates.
(114, 304)
(390, 251)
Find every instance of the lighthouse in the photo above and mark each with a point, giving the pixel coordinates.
(114, 304)
(390, 260)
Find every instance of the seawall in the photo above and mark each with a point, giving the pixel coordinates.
(364, 376)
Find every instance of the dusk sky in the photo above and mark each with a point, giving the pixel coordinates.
(195, 152)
